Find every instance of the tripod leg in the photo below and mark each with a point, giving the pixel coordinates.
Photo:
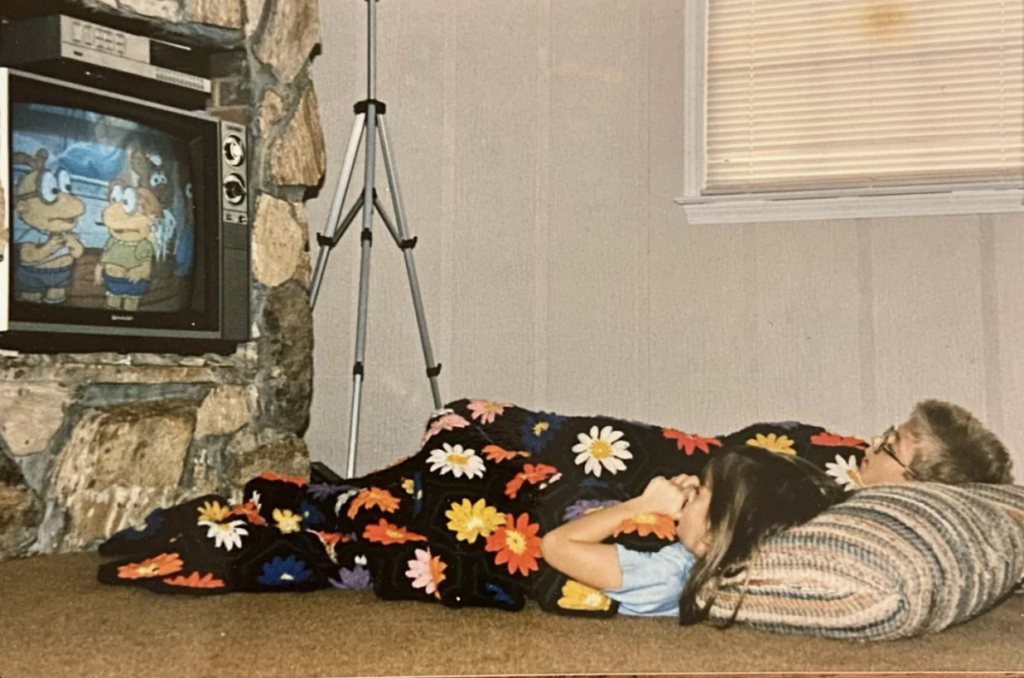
(364, 282)
(335, 215)
(407, 245)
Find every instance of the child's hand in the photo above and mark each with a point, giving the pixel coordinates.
(663, 496)
(686, 482)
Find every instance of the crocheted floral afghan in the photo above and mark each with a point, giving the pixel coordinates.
(458, 523)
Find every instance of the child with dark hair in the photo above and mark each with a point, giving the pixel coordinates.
(940, 442)
(743, 496)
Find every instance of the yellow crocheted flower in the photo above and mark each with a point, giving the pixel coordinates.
(287, 521)
(213, 511)
(469, 521)
(780, 444)
(576, 596)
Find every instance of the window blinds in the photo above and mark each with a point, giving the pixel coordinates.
(829, 94)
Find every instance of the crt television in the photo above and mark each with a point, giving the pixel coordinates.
(127, 222)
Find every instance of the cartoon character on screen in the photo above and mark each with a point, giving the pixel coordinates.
(149, 171)
(127, 261)
(43, 201)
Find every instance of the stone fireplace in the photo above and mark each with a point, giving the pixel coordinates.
(90, 443)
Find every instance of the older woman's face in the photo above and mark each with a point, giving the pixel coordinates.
(889, 457)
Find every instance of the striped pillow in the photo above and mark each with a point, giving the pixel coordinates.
(893, 561)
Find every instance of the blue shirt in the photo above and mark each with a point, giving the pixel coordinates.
(652, 582)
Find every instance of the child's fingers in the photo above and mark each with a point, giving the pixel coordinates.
(683, 481)
(664, 496)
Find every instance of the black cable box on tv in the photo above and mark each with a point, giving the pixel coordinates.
(92, 54)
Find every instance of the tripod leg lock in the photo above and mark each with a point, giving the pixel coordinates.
(408, 243)
(433, 371)
(367, 235)
(364, 106)
(357, 370)
(325, 241)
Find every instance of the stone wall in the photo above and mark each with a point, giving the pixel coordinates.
(90, 443)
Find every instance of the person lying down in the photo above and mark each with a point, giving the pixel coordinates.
(759, 493)
(587, 515)
(742, 497)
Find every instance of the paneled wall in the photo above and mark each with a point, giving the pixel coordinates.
(539, 146)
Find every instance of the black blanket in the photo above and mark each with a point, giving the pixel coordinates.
(458, 523)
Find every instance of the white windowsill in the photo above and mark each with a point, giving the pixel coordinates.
(740, 210)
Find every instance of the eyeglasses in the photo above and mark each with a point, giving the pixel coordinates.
(886, 446)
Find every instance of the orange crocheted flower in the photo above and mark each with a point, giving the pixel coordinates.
(294, 480)
(386, 533)
(644, 524)
(373, 496)
(499, 454)
(513, 486)
(330, 541)
(835, 440)
(194, 581)
(248, 511)
(534, 473)
(516, 544)
(159, 566)
(689, 443)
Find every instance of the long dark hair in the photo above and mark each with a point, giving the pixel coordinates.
(755, 493)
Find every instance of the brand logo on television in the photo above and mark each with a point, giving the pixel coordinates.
(123, 318)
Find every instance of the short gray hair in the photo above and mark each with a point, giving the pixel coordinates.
(954, 447)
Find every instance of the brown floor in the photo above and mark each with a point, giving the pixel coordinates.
(57, 622)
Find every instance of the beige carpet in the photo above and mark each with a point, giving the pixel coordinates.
(57, 622)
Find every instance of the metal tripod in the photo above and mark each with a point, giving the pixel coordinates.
(370, 117)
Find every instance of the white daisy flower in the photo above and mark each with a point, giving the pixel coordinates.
(256, 500)
(603, 449)
(845, 473)
(226, 535)
(343, 499)
(460, 462)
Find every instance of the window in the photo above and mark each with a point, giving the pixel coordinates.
(813, 109)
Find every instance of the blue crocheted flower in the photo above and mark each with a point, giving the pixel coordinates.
(581, 507)
(417, 493)
(311, 514)
(356, 578)
(499, 594)
(613, 485)
(538, 430)
(153, 522)
(284, 572)
(324, 491)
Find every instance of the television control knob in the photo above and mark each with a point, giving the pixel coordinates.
(234, 189)
(234, 151)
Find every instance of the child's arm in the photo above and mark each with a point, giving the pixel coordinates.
(575, 548)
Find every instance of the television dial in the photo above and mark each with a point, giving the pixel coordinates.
(234, 151)
(234, 189)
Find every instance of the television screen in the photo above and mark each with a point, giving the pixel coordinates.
(124, 235)
(103, 212)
